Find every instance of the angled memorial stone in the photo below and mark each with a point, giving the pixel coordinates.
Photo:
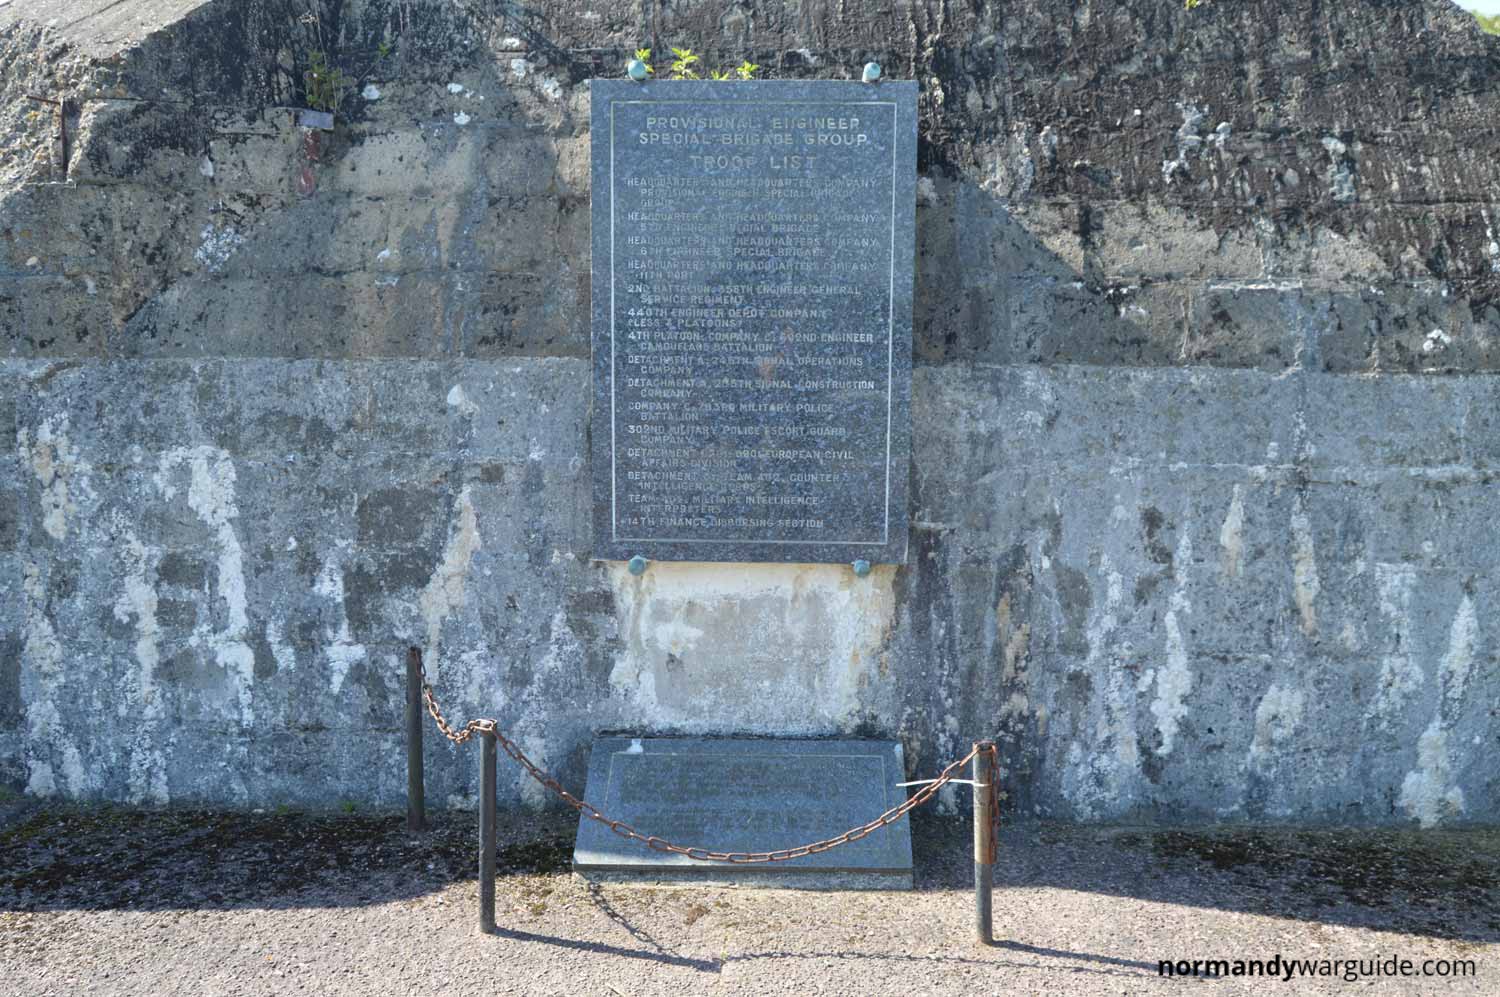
(752, 291)
(749, 795)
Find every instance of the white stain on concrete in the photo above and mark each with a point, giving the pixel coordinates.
(1436, 340)
(218, 246)
(461, 119)
(339, 644)
(1305, 583)
(49, 745)
(1493, 249)
(1014, 639)
(1401, 673)
(60, 470)
(211, 495)
(765, 647)
(444, 593)
(534, 796)
(1232, 535)
(1458, 661)
(1174, 680)
(1277, 719)
(284, 653)
(1427, 792)
(1340, 174)
(1189, 142)
(519, 68)
(147, 778)
(1103, 776)
(370, 92)
(461, 401)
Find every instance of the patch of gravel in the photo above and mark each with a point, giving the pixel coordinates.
(117, 901)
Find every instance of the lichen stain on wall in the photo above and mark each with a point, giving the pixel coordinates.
(787, 649)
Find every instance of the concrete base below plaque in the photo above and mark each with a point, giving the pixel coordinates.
(750, 795)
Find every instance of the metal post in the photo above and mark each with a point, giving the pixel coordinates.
(416, 801)
(487, 833)
(984, 842)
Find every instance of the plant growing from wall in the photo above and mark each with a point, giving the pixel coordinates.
(682, 64)
(685, 61)
(325, 83)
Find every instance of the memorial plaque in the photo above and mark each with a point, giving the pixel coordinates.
(748, 795)
(752, 285)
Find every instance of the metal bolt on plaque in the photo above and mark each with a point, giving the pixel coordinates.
(636, 69)
(861, 567)
(872, 72)
(637, 565)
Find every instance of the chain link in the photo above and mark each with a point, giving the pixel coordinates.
(651, 841)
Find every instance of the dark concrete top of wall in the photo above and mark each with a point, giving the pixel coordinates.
(1126, 183)
(99, 27)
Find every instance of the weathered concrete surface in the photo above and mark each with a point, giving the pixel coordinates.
(1206, 416)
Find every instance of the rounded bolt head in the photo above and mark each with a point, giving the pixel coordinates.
(872, 72)
(637, 69)
(637, 565)
(861, 567)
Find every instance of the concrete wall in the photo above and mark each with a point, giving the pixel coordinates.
(1207, 421)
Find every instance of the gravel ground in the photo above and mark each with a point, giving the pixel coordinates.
(110, 901)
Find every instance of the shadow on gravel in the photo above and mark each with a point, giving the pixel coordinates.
(664, 957)
(1127, 966)
(110, 858)
(1439, 884)
(1442, 884)
(667, 957)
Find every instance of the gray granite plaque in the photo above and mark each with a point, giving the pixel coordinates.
(752, 286)
(751, 795)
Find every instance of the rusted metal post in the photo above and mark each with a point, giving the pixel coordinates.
(984, 841)
(487, 832)
(416, 795)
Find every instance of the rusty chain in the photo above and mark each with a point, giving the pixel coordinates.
(624, 830)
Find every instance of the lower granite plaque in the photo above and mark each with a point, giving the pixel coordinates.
(752, 293)
(747, 795)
